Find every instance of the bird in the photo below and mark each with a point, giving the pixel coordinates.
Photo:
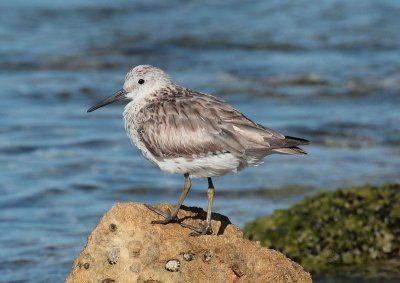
(193, 134)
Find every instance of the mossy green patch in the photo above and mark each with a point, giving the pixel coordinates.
(350, 227)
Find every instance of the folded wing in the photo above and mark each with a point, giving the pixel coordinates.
(185, 123)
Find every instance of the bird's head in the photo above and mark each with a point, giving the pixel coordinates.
(142, 80)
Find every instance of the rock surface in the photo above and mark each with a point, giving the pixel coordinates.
(125, 247)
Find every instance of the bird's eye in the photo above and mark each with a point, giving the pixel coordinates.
(141, 81)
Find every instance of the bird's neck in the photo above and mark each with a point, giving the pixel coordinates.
(137, 103)
(142, 99)
(133, 107)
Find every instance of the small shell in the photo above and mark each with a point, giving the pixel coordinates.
(113, 255)
(188, 256)
(173, 265)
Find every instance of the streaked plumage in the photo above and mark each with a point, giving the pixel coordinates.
(177, 126)
(188, 132)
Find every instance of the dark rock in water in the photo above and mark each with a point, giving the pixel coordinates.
(136, 251)
(354, 230)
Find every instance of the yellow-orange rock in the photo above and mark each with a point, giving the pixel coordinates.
(125, 247)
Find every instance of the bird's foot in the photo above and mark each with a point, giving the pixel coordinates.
(198, 231)
(168, 218)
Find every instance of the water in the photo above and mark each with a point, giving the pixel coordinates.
(328, 72)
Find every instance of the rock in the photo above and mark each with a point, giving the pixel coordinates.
(351, 231)
(125, 247)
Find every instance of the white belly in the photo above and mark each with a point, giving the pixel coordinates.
(201, 167)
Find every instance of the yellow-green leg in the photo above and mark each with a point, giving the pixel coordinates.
(206, 228)
(170, 216)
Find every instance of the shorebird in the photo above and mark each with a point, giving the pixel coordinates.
(191, 133)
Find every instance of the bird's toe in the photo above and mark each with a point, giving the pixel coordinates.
(168, 218)
(198, 231)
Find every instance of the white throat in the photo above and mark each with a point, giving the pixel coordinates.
(131, 125)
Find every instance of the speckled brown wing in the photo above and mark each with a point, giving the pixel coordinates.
(183, 123)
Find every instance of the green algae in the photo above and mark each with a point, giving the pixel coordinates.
(347, 229)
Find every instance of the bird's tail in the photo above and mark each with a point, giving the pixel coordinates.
(292, 147)
(289, 150)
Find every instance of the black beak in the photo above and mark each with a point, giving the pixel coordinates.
(119, 95)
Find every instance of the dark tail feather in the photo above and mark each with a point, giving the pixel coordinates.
(292, 146)
(299, 140)
(289, 150)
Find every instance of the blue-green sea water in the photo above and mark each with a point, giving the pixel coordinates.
(327, 71)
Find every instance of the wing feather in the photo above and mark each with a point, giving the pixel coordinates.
(180, 122)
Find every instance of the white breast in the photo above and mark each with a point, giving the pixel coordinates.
(132, 130)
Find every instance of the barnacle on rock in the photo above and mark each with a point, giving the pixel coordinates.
(113, 255)
(188, 256)
(173, 265)
(113, 227)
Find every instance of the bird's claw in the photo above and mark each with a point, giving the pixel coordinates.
(168, 218)
(167, 215)
(163, 221)
(198, 231)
